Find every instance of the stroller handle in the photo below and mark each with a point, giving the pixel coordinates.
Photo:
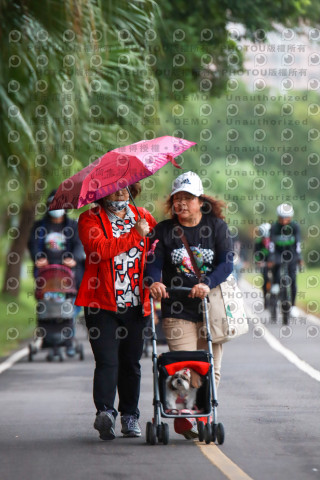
(178, 289)
(172, 290)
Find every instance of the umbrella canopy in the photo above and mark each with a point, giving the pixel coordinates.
(118, 169)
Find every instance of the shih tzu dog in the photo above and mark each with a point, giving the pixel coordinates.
(181, 389)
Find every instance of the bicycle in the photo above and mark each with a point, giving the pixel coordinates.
(280, 297)
(267, 282)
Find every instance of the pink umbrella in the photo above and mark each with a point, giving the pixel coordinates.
(118, 169)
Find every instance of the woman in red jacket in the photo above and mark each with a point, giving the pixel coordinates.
(116, 305)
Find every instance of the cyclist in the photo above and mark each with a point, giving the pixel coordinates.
(261, 254)
(285, 247)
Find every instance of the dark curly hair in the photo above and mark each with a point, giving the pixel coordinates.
(211, 206)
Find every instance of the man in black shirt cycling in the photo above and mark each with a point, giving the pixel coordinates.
(285, 247)
(261, 255)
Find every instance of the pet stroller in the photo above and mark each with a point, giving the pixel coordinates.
(201, 361)
(55, 293)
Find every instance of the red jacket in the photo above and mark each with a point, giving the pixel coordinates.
(97, 286)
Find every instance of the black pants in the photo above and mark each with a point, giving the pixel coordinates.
(292, 269)
(117, 343)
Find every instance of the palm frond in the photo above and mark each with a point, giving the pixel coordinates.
(49, 35)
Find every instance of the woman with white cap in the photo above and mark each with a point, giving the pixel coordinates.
(197, 226)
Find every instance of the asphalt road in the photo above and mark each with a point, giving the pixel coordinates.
(269, 408)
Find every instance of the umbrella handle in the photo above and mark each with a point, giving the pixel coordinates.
(132, 200)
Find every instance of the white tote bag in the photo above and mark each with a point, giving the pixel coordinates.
(226, 311)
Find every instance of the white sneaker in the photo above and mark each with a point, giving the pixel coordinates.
(275, 289)
(294, 312)
(130, 426)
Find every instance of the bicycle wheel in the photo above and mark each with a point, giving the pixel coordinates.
(274, 308)
(285, 295)
(285, 307)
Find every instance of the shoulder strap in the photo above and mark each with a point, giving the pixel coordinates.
(103, 228)
(191, 256)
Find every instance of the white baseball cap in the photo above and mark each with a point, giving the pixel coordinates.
(188, 182)
(264, 230)
(285, 210)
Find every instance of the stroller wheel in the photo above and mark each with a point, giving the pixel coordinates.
(164, 433)
(153, 434)
(81, 352)
(49, 357)
(159, 432)
(207, 433)
(30, 356)
(220, 433)
(201, 430)
(148, 430)
(213, 431)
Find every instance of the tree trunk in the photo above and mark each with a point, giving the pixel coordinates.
(12, 275)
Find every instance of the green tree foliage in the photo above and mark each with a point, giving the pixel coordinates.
(200, 51)
(79, 77)
(68, 72)
(69, 83)
(255, 151)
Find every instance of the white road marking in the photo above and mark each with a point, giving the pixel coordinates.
(289, 355)
(10, 361)
(286, 352)
(15, 357)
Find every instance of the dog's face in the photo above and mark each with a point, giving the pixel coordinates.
(180, 381)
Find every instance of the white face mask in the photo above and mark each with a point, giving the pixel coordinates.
(56, 213)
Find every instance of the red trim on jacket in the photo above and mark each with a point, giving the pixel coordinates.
(97, 286)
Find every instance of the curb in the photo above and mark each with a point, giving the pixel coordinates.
(15, 357)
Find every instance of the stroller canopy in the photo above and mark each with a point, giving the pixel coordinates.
(172, 362)
(55, 278)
